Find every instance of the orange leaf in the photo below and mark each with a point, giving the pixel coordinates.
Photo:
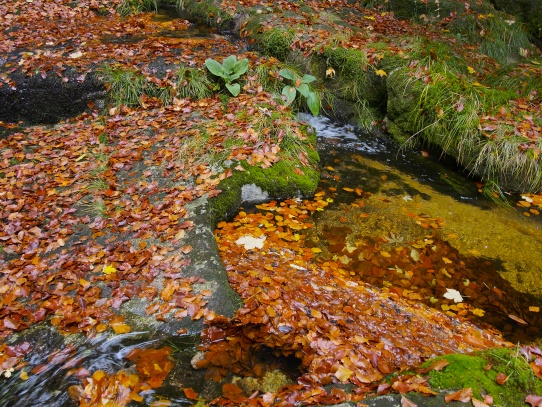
(501, 378)
(463, 395)
(190, 393)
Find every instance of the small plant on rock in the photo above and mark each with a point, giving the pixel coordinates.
(300, 85)
(230, 70)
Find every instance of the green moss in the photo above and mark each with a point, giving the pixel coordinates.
(276, 42)
(206, 11)
(469, 371)
(280, 181)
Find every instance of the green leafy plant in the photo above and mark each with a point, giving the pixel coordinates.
(230, 70)
(300, 85)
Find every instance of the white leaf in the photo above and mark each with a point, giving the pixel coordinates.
(251, 242)
(452, 294)
(407, 198)
(75, 55)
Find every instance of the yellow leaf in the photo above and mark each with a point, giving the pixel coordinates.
(446, 260)
(470, 69)
(109, 269)
(98, 375)
(297, 237)
(23, 375)
(381, 72)
(348, 189)
(534, 309)
(330, 72)
(478, 312)
(121, 328)
(316, 250)
(343, 373)
(369, 17)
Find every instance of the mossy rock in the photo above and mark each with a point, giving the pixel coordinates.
(472, 371)
(276, 42)
(403, 98)
(280, 181)
(207, 12)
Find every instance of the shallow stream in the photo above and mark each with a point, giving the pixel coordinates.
(386, 199)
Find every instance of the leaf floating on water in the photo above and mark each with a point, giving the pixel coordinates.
(517, 319)
(454, 295)
(478, 312)
(251, 242)
(415, 255)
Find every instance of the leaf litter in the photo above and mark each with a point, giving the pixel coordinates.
(341, 329)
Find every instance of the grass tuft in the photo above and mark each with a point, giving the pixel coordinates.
(192, 83)
(130, 7)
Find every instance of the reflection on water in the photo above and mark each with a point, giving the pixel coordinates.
(408, 223)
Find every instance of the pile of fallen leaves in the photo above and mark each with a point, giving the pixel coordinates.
(342, 331)
(11, 357)
(93, 210)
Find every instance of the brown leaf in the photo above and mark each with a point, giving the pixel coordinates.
(406, 402)
(501, 378)
(437, 365)
(463, 395)
(478, 403)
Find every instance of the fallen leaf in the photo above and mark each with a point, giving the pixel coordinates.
(463, 395)
(454, 295)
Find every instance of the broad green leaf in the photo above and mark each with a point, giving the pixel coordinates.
(287, 74)
(304, 89)
(313, 103)
(307, 78)
(214, 67)
(289, 92)
(232, 77)
(241, 67)
(234, 88)
(229, 63)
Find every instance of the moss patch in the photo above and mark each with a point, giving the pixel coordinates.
(471, 371)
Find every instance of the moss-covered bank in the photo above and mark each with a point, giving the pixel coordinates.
(459, 76)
